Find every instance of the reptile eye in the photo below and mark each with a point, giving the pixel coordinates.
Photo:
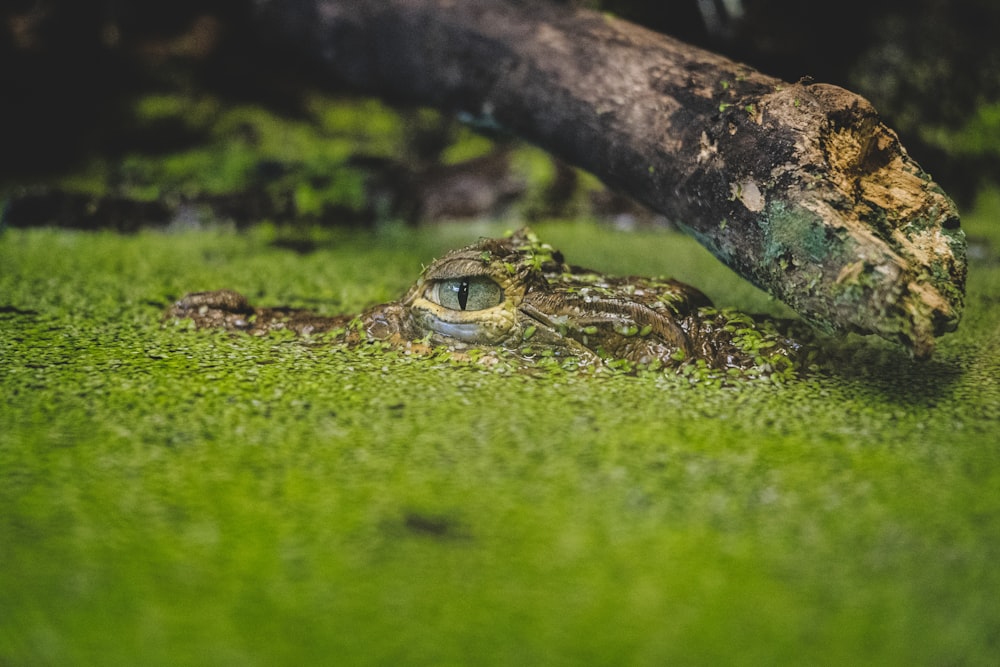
(470, 293)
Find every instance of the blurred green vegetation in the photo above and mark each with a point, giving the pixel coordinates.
(190, 497)
(341, 160)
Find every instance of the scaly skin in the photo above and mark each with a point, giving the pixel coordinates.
(518, 295)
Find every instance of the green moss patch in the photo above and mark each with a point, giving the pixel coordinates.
(173, 496)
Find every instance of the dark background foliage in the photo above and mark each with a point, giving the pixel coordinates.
(73, 69)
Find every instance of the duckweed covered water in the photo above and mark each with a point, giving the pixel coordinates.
(178, 497)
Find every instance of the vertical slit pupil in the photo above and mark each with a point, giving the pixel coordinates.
(463, 293)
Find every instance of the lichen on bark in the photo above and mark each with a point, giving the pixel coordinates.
(822, 206)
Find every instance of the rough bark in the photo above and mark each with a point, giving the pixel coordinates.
(799, 187)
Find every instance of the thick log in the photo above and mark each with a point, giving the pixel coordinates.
(799, 187)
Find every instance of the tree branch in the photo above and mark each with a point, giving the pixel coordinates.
(800, 187)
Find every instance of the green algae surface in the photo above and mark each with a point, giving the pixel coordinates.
(182, 497)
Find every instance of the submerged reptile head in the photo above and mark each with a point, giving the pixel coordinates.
(518, 295)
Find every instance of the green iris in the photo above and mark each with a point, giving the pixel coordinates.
(469, 293)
